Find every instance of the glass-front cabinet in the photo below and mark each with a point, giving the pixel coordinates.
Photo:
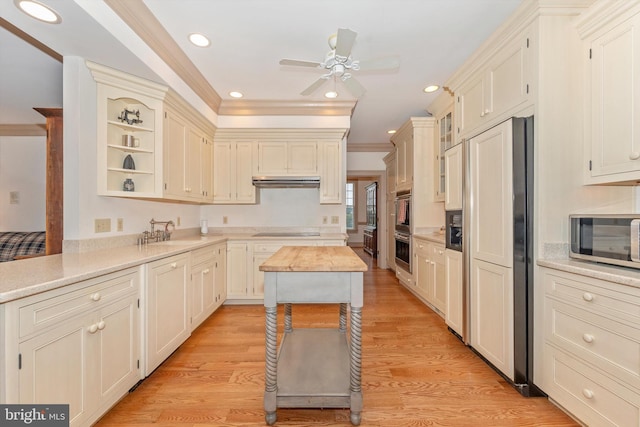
(444, 141)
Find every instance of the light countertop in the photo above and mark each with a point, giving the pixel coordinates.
(436, 237)
(19, 279)
(314, 258)
(610, 273)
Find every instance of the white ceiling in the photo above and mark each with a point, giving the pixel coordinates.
(432, 38)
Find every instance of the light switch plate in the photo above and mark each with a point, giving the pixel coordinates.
(102, 225)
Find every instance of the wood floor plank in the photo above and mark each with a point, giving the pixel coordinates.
(414, 372)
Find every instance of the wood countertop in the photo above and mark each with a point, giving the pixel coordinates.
(314, 258)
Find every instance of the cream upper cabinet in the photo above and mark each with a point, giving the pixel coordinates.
(453, 163)
(287, 158)
(188, 158)
(497, 91)
(611, 36)
(404, 159)
(332, 183)
(233, 170)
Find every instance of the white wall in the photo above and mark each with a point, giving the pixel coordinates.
(23, 169)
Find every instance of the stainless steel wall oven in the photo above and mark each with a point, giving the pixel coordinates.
(403, 251)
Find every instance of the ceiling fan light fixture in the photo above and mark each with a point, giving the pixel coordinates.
(431, 88)
(332, 94)
(199, 40)
(38, 11)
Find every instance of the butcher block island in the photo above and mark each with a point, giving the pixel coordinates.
(315, 367)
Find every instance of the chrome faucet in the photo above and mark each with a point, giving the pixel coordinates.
(161, 235)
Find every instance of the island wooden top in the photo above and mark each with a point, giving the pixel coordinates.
(314, 258)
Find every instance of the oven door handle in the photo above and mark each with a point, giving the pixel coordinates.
(402, 237)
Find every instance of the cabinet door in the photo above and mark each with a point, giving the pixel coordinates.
(206, 169)
(167, 308)
(439, 296)
(491, 310)
(54, 369)
(223, 172)
(220, 275)
(331, 182)
(244, 171)
(302, 158)
(423, 271)
(612, 121)
(490, 169)
(116, 346)
(453, 178)
(258, 276)
(237, 272)
(176, 140)
(508, 77)
(202, 292)
(193, 183)
(443, 142)
(470, 105)
(453, 278)
(272, 158)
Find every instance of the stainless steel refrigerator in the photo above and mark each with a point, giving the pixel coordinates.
(498, 248)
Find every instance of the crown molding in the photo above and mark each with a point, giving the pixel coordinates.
(144, 23)
(23, 130)
(286, 108)
(369, 148)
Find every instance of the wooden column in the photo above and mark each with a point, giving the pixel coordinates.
(54, 204)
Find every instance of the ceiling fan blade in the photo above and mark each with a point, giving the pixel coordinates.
(315, 85)
(345, 41)
(298, 63)
(354, 86)
(386, 63)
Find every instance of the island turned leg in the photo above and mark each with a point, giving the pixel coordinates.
(343, 317)
(356, 365)
(288, 325)
(271, 365)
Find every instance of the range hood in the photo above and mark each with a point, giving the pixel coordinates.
(286, 181)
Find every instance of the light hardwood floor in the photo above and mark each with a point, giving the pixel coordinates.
(414, 373)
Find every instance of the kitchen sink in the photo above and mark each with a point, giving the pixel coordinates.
(286, 234)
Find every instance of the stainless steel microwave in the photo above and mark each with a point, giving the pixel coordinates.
(611, 239)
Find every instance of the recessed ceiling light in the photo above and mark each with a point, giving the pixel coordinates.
(391, 131)
(38, 11)
(331, 94)
(431, 88)
(199, 40)
(236, 94)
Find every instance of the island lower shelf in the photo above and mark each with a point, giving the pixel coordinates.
(313, 369)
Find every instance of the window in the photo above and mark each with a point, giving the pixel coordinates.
(350, 195)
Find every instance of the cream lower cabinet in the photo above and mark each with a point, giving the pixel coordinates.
(168, 307)
(454, 313)
(239, 270)
(77, 345)
(208, 282)
(592, 348)
(429, 272)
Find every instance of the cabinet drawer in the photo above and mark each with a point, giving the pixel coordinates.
(98, 292)
(422, 248)
(437, 254)
(592, 397)
(202, 255)
(595, 295)
(610, 345)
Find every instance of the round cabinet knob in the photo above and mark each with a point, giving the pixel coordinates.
(101, 325)
(205, 271)
(634, 155)
(588, 338)
(587, 297)
(587, 393)
(96, 296)
(174, 265)
(93, 328)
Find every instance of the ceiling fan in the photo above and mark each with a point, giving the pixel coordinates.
(338, 63)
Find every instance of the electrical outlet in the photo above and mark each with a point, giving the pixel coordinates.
(14, 197)
(325, 220)
(102, 225)
(178, 222)
(335, 220)
(224, 219)
(120, 225)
